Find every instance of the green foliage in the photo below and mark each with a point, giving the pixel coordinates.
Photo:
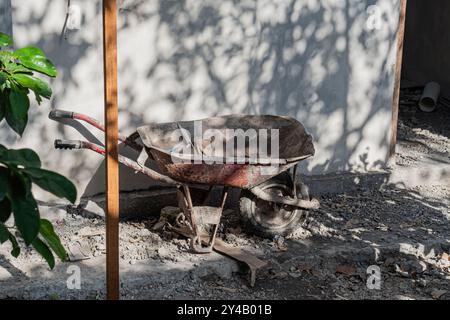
(20, 169)
(17, 80)
(5, 40)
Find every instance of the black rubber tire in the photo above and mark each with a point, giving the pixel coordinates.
(269, 219)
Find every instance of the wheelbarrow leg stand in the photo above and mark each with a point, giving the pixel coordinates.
(199, 217)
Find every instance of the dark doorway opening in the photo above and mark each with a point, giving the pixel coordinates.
(423, 138)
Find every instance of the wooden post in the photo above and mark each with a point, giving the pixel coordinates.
(398, 77)
(112, 164)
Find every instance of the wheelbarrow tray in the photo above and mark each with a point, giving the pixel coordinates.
(244, 169)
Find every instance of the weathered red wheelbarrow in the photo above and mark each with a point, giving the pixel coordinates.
(228, 151)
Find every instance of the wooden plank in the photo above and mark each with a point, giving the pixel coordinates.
(111, 133)
(250, 260)
(398, 77)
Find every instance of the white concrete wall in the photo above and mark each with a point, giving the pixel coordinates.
(186, 59)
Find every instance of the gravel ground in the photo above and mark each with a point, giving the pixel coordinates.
(422, 137)
(403, 232)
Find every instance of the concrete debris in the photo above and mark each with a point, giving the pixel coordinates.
(78, 251)
(280, 243)
(437, 294)
(167, 215)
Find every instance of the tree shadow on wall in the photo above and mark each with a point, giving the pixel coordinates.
(258, 57)
(271, 58)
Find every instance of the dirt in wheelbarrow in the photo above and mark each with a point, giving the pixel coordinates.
(388, 244)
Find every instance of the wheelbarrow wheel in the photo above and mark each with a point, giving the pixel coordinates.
(268, 219)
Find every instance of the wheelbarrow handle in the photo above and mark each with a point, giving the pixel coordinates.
(78, 144)
(60, 114)
(68, 144)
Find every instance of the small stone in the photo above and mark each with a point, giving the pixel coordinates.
(401, 272)
(445, 256)
(232, 238)
(414, 266)
(190, 289)
(144, 232)
(163, 251)
(305, 268)
(159, 225)
(281, 275)
(421, 283)
(437, 294)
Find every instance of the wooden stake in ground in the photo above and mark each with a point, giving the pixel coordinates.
(398, 76)
(111, 141)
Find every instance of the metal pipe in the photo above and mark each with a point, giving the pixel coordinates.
(430, 96)
(62, 114)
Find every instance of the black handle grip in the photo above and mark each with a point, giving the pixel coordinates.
(68, 144)
(60, 114)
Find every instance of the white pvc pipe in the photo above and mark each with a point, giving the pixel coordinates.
(428, 100)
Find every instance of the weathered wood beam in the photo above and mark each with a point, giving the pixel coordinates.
(112, 133)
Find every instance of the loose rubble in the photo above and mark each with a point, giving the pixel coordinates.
(405, 233)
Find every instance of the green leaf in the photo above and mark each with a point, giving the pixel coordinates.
(37, 85)
(17, 111)
(4, 176)
(34, 59)
(2, 107)
(44, 251)
(53, 182)
(52, 239)
(2, 111)
(13, 67)
(6, 57)
(38, 98)
(5, 204)
(6, 235)
(26, 216)
(19, 185)
(20, 157)
(5, 40)
(5, 210)
(16, 249)
(29, 52)
(3, 78)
